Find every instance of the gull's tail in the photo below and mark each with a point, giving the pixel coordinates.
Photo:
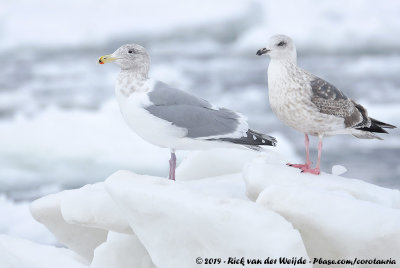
(375, 127)
(378, 125)
(253, 140)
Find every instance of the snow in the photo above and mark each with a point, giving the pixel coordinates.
(337, 217)
(17, 221)
(338, 170)
(20, 253)
(217, 162)
(335, 224)
(121, 250)
(97, 210)
(285, 176)
(193, 225)
(202, 164)
(81, 239)
(247, 205)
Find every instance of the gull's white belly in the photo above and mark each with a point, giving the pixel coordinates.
(152, 129)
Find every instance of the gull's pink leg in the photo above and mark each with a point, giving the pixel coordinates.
(308, 163)
(172, 165)
(315, 170)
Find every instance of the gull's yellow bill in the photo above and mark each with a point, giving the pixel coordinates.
(106, 58)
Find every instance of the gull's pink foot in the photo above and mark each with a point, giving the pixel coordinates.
(305, 166)
(315, 171)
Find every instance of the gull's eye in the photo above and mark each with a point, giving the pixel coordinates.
(130, 51)
(281, 43)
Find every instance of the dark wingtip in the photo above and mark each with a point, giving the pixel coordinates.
(377, 127)
(252, 139)
(271, 139)
(382, 124)
(262, 139)
(373, 128)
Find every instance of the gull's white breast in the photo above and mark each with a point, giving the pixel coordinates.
(149, 127)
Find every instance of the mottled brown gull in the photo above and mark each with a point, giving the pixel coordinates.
(170, 118)
(311, 105)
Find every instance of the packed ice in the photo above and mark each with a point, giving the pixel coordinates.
(263, 209)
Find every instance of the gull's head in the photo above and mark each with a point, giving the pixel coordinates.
(128, 57)
(279, 47)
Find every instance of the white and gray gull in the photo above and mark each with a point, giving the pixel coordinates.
(311, 105)
(170, 118)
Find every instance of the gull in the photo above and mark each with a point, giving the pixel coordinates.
(311, 105)
(171, 118)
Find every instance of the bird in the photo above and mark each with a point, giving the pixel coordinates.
(171, 118)
(310, 104)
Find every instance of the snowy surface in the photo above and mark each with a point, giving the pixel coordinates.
(96, 203)
(337, 217)
(217, 162)
(121, 250)
(285, 176)
(81, 239)
(334, 224)
(193, 225)
(18, 222)
(266, 210)
(19, 253)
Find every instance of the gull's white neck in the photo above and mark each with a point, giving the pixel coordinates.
(130, 81)
(133, 74)
(279, 69)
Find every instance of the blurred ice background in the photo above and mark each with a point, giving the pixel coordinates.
(60, 125)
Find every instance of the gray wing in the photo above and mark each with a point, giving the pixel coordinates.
(163, 94)
(189, 112)
(330, 100)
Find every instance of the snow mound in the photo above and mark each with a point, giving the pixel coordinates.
(79, 238)
(91, 206)
(266, 210)
(260, 175)
(15, 253)
(334, 225)
(336, 216)
(121, 250)
(211, 217)
(206, 226)
(223, 161)
(204, 164)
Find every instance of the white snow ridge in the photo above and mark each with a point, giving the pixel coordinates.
(252, 208)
